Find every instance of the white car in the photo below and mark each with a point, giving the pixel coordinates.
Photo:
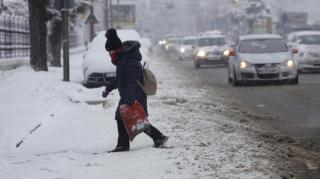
(264, 57)
(210, 50)
(187, 46)
(97, 67)
(308, 44)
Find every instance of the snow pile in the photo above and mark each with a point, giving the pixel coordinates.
(16, 7)
(48, 131)
(98, 60)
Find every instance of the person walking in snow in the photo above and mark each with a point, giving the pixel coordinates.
(126, 57)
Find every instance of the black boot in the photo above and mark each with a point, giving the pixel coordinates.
(123, 138)
(120, 149)
(159, 143)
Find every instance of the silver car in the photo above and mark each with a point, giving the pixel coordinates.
(209, 50)
(187, 46)
(308, 44)
(263, 57)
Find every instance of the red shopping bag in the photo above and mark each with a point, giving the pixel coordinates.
(135, 120)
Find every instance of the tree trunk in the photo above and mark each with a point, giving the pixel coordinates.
(55, 39)
(38, 34)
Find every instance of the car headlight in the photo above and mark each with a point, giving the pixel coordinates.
(201, 54)
(182, 50)
(226, 53)
(288, 63)
(245, 64)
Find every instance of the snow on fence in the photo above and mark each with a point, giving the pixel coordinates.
(14, 36)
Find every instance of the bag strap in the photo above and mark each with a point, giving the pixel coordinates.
(139, 83)
(144, 64)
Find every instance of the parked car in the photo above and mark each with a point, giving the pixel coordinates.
(264, 57)
(308, 44)
(97, 67)
(186, 50)
(210, 50)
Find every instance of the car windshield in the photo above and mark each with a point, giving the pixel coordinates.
(188, 42)
(211, 42)
(310, 39)
(263, 46)
(173, 40)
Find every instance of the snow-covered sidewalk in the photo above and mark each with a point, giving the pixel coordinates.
(47, 130)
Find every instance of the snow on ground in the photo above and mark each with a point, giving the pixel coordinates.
(48, 131)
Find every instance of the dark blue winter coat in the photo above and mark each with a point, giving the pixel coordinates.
(128, 71)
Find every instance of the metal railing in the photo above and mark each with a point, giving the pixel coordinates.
(14, 37)
(73, 40)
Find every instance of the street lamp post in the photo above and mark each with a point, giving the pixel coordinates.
(66, 68)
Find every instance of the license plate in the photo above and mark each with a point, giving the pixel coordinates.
(111, 74)
(214, 57)
(268, 71)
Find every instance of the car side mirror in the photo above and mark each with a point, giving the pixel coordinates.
(232, 53)
(294, 51)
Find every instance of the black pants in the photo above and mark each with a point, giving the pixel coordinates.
(123, 138)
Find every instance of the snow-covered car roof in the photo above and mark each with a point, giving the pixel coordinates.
(98, 60)
(128, 34)
(211, 36)
(301, 33)
(211, 33)
(260, 36)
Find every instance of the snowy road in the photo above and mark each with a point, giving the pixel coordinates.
(295, 108)
(58, 133)
(256, 107)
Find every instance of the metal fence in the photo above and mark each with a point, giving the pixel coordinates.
(14, 37)
(73, 40)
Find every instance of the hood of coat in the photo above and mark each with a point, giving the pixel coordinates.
(131, 50)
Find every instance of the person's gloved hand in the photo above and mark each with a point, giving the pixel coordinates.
(105, 93)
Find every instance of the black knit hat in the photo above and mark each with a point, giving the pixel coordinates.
(113, 41)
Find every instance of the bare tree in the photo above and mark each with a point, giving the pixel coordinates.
(38, 17)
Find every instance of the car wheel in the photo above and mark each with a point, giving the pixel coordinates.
(295, 81)
(196, 65)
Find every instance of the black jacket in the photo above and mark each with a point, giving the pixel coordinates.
(128, 71)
